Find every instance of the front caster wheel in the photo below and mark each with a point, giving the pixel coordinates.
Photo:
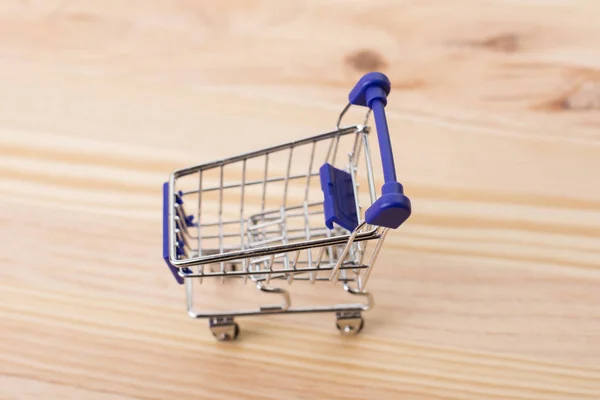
(224, 329)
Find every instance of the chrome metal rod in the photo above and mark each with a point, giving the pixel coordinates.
(291, 310)
(265, 271)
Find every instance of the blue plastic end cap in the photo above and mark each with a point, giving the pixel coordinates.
(391, 209)
(376, 84)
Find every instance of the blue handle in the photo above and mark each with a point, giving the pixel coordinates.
(393, 207)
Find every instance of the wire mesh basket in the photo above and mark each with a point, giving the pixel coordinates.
(295, 212)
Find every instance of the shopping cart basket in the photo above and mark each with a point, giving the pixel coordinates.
(288, 213)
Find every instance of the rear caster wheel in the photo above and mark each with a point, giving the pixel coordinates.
(349, 323)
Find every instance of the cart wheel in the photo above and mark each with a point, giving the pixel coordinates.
(224, 329)
(350, 327)
(229, 335)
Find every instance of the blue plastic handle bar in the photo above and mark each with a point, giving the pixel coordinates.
(393, 207)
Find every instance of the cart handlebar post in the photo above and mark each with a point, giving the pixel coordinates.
(393, 207)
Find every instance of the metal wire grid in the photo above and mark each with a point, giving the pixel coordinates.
(285, 237)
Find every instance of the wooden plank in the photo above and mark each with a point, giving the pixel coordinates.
(489, 291)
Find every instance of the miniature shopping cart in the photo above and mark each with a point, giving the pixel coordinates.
(289, 213)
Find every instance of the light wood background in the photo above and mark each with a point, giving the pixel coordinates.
(490, 291)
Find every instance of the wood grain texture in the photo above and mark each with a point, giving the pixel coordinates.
(491, 291)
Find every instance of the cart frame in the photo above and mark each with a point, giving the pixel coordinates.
(343, 247)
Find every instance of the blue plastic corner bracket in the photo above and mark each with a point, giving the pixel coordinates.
(338, 192)
(166, 243)
(393, 207)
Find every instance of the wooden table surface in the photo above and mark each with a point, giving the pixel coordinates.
(490, 291)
